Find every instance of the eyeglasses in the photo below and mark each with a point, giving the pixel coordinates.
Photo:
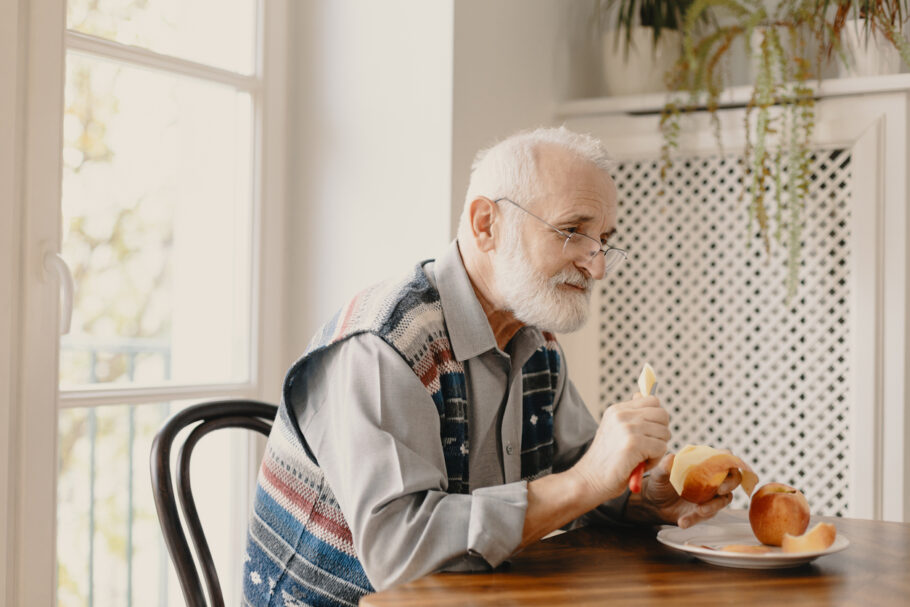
(581, 246)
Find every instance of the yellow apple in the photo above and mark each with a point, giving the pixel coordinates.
(777, 509)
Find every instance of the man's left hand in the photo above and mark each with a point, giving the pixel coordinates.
(660, 500)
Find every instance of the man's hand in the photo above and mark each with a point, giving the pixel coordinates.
(629, 433)
(660, 502)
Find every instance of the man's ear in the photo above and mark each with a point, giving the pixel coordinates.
(482, 214)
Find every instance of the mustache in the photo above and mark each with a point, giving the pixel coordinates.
(574, 278)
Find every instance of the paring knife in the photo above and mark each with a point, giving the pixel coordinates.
(647, 386)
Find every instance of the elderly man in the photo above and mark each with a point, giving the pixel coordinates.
(431, 424)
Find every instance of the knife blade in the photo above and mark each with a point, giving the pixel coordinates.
(647, 386)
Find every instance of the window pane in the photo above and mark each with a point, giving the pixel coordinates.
(216, 32)
(157, 215)
(110, 551)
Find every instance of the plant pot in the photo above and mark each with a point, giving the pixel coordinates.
(640, 68)
(867, 54)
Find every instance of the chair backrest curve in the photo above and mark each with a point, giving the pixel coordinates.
(207, 417)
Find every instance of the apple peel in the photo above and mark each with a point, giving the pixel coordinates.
(699, 470)
(819, 538)
(746, 549)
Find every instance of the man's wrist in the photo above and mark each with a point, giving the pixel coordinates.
(589, 490)
(580, 489)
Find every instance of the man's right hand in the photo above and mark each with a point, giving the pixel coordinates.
(629, 433)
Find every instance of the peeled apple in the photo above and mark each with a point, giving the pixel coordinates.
(698, 471)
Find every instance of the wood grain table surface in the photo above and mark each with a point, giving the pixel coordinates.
(628, 566)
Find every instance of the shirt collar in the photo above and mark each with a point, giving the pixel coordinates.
(469, 329)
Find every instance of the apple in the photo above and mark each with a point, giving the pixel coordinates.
(777, 509)
(816, 539)
(698, 471)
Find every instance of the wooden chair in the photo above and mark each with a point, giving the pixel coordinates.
(252, 415)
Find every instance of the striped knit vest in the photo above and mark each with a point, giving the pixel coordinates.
(299, 547)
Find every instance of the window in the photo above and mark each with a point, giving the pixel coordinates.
(169, 222)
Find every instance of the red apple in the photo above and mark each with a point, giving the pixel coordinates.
(777, 509)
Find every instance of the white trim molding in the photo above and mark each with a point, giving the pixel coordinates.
(146, 58)
(734, 97)
(272, 182)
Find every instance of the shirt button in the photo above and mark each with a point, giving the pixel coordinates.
(509, 448)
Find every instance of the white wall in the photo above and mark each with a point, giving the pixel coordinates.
(371, 145)
(514, 61)
(389, 106)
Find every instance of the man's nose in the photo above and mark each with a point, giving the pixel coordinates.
(595, 266)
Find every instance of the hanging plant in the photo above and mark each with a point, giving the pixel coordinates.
(788, 44)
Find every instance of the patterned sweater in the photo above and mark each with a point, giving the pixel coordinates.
(299, 549)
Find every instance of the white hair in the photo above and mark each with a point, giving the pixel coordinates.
(535, 298)
(508, 169)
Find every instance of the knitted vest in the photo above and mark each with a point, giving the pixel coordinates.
(299, 546)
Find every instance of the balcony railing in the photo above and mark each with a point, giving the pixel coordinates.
(97, 350)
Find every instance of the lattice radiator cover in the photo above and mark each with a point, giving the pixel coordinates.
(737, 366)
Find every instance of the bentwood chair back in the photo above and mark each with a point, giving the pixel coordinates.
(203, 418)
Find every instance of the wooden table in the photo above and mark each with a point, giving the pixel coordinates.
(599, 566)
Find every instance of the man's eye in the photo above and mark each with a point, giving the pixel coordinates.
(571, 230)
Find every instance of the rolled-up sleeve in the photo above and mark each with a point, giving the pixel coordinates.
(374, 429)
(497, 521)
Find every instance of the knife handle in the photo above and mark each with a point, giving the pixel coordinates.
(635, 479)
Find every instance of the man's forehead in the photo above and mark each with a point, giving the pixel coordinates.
(592, 199)
(558, 168)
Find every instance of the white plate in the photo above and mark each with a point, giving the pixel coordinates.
(700, 539)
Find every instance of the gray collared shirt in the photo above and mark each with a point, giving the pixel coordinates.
(375, 431)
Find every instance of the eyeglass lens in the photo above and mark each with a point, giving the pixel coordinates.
(612, 258)
(580, 246)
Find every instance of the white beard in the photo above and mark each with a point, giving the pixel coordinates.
(537, 300)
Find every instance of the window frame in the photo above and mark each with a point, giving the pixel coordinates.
(12, 61)
(28, 460)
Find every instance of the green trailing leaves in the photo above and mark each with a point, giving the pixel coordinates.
(787, 44)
